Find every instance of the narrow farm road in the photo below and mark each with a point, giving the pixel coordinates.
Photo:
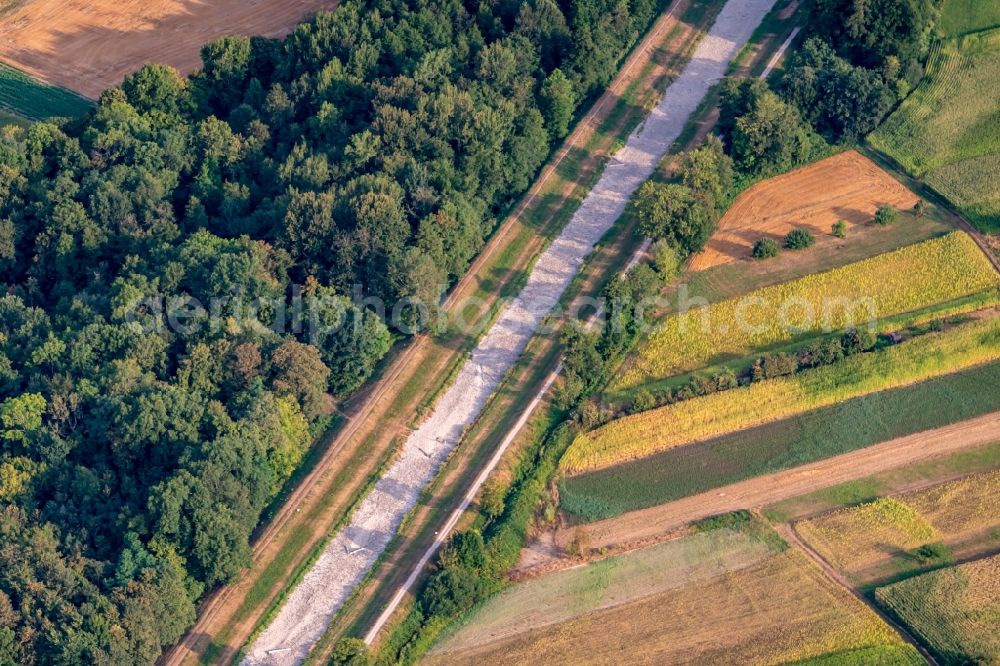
(792, 537)
(355, 549)
(768, 489)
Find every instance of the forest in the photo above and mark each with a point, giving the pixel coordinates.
(370, 153)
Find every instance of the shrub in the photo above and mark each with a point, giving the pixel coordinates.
(579, 547)
(931, 553)
(765, 248)
(918, 208)
(798, 239)
(351, 652)
(885, 215)
(451, 591)
(665, 259)
(643, 400)
(840, 229)
(492, 500)
(858, 340)
(774, 365)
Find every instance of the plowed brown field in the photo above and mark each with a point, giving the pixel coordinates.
(847, 186)
(89, 45)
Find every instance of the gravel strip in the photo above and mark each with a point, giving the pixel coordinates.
(352, 552)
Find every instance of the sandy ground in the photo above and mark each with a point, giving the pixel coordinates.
(764, 490)
(89, 45)
(352, 552)
(378, 415)
(847, 186)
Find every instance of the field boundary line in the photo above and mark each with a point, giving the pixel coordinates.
(787, 530)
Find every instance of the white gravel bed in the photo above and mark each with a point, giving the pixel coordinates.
(353, 551)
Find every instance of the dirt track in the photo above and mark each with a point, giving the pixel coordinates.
(89, 45)
(378, 416)
(352, 552)
(764, 490)
(847, 186)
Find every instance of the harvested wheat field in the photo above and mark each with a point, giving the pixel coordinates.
(779, 609)
(89, 45)
(847, 186)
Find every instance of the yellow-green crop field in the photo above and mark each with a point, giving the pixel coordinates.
(948, 130)
(639, 435)
(955, 611)
(912, 278)
(857, 538)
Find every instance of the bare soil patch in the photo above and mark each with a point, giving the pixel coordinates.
(89, 45)
(847, 186)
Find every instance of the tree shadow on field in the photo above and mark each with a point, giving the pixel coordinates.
(852, 215)
(89, 50)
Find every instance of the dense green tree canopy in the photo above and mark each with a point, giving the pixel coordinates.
(158, 382)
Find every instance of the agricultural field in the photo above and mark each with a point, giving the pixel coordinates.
(746, 602)
(880, 540)
(912, 361)
(912, 278)
(959, 17)
(31, 99)
(954, 611)
(88, 46)
(739, 277)
(948, 130)
(937, 469)
(847, 186)
(814, 435)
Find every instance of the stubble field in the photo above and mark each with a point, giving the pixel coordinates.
(847, 186)
(88, 46)
(761, 607)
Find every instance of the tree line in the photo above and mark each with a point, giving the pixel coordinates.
(370, 151)
(859, 59)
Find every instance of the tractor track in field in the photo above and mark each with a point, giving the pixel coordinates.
(787, 531)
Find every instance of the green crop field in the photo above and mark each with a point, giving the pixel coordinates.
(954, 611)
(916, 360)
(30, 98)
(948, 130)
(802, 439)
(959, 17)
(908, 279)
